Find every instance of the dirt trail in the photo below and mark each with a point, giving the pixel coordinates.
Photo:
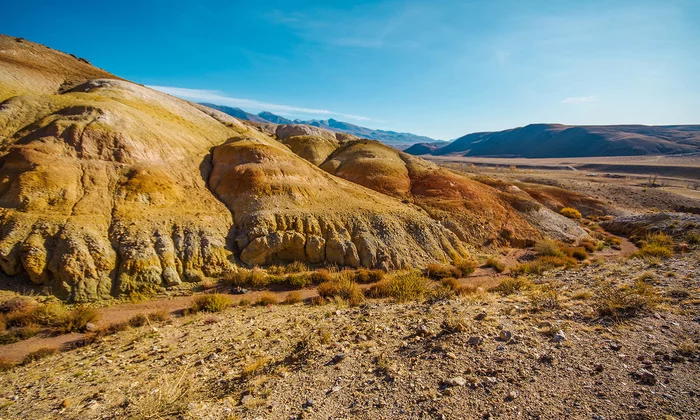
(122, 312)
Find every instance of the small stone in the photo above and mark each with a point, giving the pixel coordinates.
(475, 340)
(456, 381)
(615, 346)
(423, 330)
(90, 327)
(211, 357)
(598, 368)
(559, 337)
(246, 399)
(512, 395)
(505, 335)
(65, 403)
(309, 403)
(646, 377)
(338, 358)
(481, 316)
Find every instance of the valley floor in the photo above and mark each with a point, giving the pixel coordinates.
(539, 353)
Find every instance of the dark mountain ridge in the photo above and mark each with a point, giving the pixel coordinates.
(558, 140)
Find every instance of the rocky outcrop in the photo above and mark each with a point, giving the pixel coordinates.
(287, 210)
(109, 188)
(677, 225)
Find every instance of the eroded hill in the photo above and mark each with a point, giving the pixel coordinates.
(108, 187)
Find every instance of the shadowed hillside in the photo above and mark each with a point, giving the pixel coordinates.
(555, 140)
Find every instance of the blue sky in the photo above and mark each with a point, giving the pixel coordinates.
(436, 68)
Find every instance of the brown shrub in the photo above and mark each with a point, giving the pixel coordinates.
(450, 282)
(214, 302)
(511, 285)
(570, 212)
(403, 287)
(344, 287)
(625, 301)
(495, 264)
(138, 320)
(77, 319)
(292, 298)
(440, 271)
(365, 276)
(320, 276)
(267, 298)
(466, 267)
(5, 364)
(159, 316)
(39, 354)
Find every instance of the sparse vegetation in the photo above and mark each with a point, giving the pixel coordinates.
(292, 298)
(342, 287)
(571, 213)
(267, 298)
(214, 302)
(496, 264)
(5, 364)
(403, 287)
(655, 245)
(625, 301)
(39, 354)
(512, 285)
(138, 320)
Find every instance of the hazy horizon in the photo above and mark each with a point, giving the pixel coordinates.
(440, 71)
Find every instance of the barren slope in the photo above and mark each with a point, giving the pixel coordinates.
(104, 190)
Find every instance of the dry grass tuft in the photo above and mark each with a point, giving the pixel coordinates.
(292, 298)
(625, 301)
(255, 366)
(496, 264)
(365, 276)
(214, 302)
(656, 245)
(403, 287)
(342, 287)
(267, 298)
(570, 212)
(5, 364)
(138, 320)
(512, 285)
(159, 316)
(169, 397)
(39, 354)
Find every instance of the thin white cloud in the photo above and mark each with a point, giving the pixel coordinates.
(580, 99)
(213, 96)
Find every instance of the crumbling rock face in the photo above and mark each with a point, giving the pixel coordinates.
(476, 213)
(677, 225)
(286, 209)
(109, 188)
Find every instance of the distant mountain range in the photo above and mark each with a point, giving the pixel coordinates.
(557, 140)
(391, 138)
